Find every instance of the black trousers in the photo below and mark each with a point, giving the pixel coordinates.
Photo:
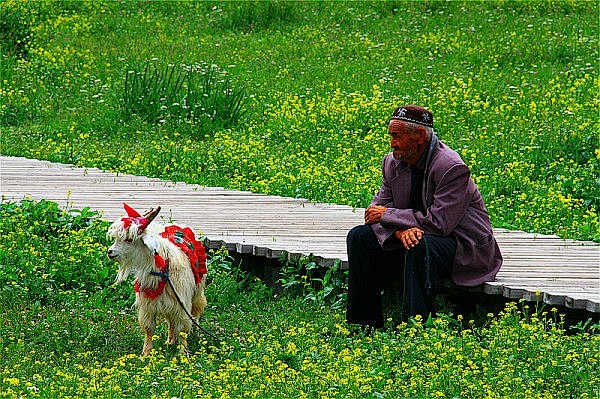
(372, 270)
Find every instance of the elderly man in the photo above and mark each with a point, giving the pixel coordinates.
(427, 222)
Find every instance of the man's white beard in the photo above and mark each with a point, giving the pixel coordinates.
(406, 155)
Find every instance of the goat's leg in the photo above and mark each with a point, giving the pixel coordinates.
(184, 344)
(148, 323)
(148, 344)
(172, 338)
(199, 305)
(185, 326)
(176, 327)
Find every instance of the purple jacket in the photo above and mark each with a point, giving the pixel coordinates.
(453, 205)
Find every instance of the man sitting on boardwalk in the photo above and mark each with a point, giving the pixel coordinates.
(427, 222)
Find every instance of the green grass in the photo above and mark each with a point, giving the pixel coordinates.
(513, 87)
(73, 334)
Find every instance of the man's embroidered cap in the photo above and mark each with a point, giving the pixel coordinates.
(414, 114)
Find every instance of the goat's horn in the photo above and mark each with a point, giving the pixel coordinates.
(151, 214)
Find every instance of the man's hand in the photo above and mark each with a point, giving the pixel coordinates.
(409, 237)
(374, 213)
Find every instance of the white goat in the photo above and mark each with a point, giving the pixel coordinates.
(141, 247)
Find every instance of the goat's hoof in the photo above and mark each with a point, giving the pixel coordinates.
(185, 352)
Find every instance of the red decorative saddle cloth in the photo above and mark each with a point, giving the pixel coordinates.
(185, 239)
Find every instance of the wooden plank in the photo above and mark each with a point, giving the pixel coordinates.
(560, 271)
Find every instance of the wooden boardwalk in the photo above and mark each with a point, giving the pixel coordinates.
(536, 267)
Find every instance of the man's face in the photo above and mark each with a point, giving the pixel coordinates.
(404, 141)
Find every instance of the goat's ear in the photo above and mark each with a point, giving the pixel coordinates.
(152, 213)
(151, 241)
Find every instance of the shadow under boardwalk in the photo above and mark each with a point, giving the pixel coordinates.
(536, 267)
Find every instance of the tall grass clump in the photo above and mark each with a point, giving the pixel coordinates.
(197, 94)
(150, 92)
(250, 16)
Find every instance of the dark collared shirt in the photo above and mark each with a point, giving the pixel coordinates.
(417, 172)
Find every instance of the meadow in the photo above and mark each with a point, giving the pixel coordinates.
(513, 87)
(67, 332)
(291, 98)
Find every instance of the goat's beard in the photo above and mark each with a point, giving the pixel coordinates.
(128, 264)
(125, 270)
